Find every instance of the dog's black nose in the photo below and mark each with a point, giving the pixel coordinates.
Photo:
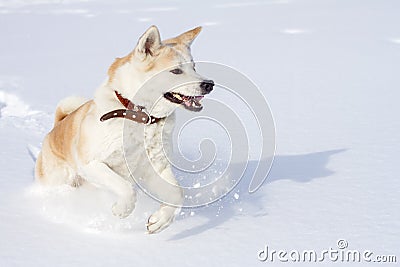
(207, 86)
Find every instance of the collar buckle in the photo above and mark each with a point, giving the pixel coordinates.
(148, 116)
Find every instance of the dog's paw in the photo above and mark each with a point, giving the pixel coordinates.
(123, 208)
(160, 220)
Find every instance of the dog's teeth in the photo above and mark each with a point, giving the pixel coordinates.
(177, 96)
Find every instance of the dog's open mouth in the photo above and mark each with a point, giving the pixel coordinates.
(191, 103)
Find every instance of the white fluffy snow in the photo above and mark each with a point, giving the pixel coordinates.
(330, 71)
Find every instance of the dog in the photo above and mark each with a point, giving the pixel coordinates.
(86, 144)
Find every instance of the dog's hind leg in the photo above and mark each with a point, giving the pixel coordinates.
(100, 174)
(50, 170)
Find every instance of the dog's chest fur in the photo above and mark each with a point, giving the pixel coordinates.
(134, 145)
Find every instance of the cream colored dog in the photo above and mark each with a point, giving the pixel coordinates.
(87, 141)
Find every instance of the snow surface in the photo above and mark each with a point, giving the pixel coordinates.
(330, 71)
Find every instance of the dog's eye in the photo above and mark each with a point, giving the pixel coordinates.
(176, 71)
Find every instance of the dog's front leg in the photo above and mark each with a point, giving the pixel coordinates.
(100, 174)
(166, 214)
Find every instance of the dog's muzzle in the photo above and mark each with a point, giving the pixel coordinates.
(192, 103)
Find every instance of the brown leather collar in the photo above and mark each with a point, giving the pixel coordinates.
(131, 112)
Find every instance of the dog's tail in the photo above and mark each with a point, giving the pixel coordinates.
(67, 106)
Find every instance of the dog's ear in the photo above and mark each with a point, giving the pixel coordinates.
(185, 38)
(149, 42)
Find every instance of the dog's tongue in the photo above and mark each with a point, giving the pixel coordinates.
(193, 101)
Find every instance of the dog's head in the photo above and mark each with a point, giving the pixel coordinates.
(160, 75)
